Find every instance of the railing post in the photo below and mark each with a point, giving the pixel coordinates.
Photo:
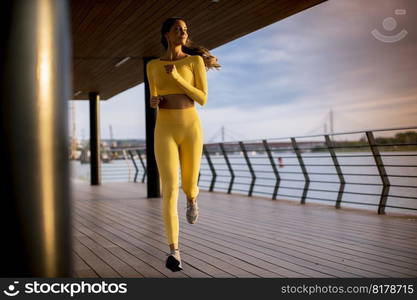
(127, 163)
(303, 168)
(134, 163)
(381, 171)
(330, 147)
(229, 166)
(212, 169)
(252, 172)
(274, 168)
(143, 165)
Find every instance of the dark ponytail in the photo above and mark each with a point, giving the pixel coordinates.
(190, 47)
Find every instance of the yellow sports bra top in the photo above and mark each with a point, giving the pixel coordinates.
(188, 77)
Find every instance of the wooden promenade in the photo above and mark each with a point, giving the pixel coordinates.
(118, 232)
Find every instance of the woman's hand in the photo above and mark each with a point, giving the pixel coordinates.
(169, 68)
(155, 101)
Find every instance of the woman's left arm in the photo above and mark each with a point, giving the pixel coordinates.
(199, 92)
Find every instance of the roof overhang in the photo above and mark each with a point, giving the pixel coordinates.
(112, 37)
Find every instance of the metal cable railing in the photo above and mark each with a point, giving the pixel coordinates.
(380, 169)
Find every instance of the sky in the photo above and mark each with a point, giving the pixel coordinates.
(284, 79)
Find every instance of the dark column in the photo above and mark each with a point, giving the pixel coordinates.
(95, 138)
(150, 116)
(35, 86)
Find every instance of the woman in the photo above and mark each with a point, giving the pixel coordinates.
(176, 81)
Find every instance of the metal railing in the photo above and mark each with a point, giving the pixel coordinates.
(379, 171)
(128, 164)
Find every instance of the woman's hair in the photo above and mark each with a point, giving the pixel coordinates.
(190, 47)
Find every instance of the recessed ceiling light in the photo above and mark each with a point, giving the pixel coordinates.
(122, 61)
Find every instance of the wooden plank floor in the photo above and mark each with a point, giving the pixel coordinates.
(118, 232)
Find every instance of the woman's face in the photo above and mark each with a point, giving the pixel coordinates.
(178, 34)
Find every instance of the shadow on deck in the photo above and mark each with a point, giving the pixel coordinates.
(118, 232)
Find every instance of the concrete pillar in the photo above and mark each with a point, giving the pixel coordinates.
(35, 86)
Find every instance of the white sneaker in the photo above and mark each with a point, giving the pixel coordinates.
(192, 212)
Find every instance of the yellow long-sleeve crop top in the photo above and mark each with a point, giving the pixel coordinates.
(189, 77)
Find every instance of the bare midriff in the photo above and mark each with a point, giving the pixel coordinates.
(176, 101)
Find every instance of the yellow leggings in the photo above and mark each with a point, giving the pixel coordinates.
(178, 141)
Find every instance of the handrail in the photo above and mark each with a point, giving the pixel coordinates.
(338, 133)
(264, 161)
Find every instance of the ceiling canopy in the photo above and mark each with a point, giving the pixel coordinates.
(111, 37)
